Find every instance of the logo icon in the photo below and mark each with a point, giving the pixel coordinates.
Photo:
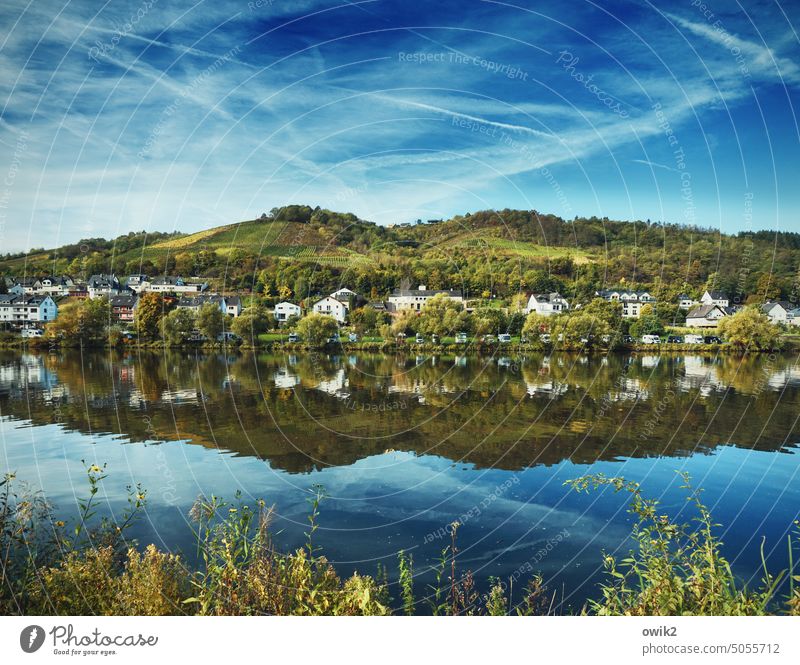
(31, 638)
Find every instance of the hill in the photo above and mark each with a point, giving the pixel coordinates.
(298, 250)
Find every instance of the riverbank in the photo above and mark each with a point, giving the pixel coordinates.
(92, 568)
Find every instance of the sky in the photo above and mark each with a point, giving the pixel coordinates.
(157, 116)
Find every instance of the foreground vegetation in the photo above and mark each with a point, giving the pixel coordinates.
(92, 568)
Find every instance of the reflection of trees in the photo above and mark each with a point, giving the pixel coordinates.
(509, 413)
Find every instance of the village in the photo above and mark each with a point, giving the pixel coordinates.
(28, 305)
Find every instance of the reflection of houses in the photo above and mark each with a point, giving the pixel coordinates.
(415, 299)
(547, 304)
(283, 378)
(705, 316)
(335, 385)
(632, 301)
(700, 373)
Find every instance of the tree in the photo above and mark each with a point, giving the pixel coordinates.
(584, 326)
(252, 322)
(439, 316)
(210, 321)
(317, 328)
(750, 328)
(149, 311)
(82, 321)
(177, 326)
(647, 324)
(489, 320)
(536, 324)
(3, 285)
(364, 319)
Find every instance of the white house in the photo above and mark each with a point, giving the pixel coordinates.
(344, 295)
(782, 313)
(547, 304)
(285, 310)
(18, 310)
(103, 285)
(172, 285)
(705, 316)
(632, 301)
(136, 282)
(331, 307)
(686, 302)
(715, 298)
(415, 299)
(56, 286)
(231, 305)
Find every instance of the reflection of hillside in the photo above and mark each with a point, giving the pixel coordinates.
(306, 411)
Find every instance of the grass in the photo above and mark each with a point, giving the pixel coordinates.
(91, 567)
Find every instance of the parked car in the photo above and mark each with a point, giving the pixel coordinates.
(545, 337)
(693, 339)
(488, 339)
(227, 336)
(420, 339)
(651, 339)
(333, 339)
(294, 337)
(434, 339)
(352, 337)
(712, 339)
(31, 332)
(461, 338)
(628, 339)
(674, 339)
(504, 338)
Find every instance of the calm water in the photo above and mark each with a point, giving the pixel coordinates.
(405, 445)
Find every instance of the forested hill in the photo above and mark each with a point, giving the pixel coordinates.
(302, 250)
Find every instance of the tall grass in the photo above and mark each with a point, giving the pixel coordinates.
(92, 567)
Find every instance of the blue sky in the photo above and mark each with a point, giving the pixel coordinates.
(185, 115)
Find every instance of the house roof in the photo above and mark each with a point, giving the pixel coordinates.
(330, 298)
(547, 297)
(398, 293)
(703, 311)
(718, 295)
(286, 302)
(103, 281)
(122, 301)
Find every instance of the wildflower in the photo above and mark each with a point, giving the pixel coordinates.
(60, 523)
(94, 469)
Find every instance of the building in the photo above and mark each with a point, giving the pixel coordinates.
(18, 310)
(103, 285)
(715, 298)
(632, 301)
(686, 302)
(135, 282)
(285, 310)
(331, 307)
(56, 286)
(172, 285)
(547, 304)
(705, 316)
(415, 299)
(344, 295)
(231, 305)
(123, 308)
(782, 313)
